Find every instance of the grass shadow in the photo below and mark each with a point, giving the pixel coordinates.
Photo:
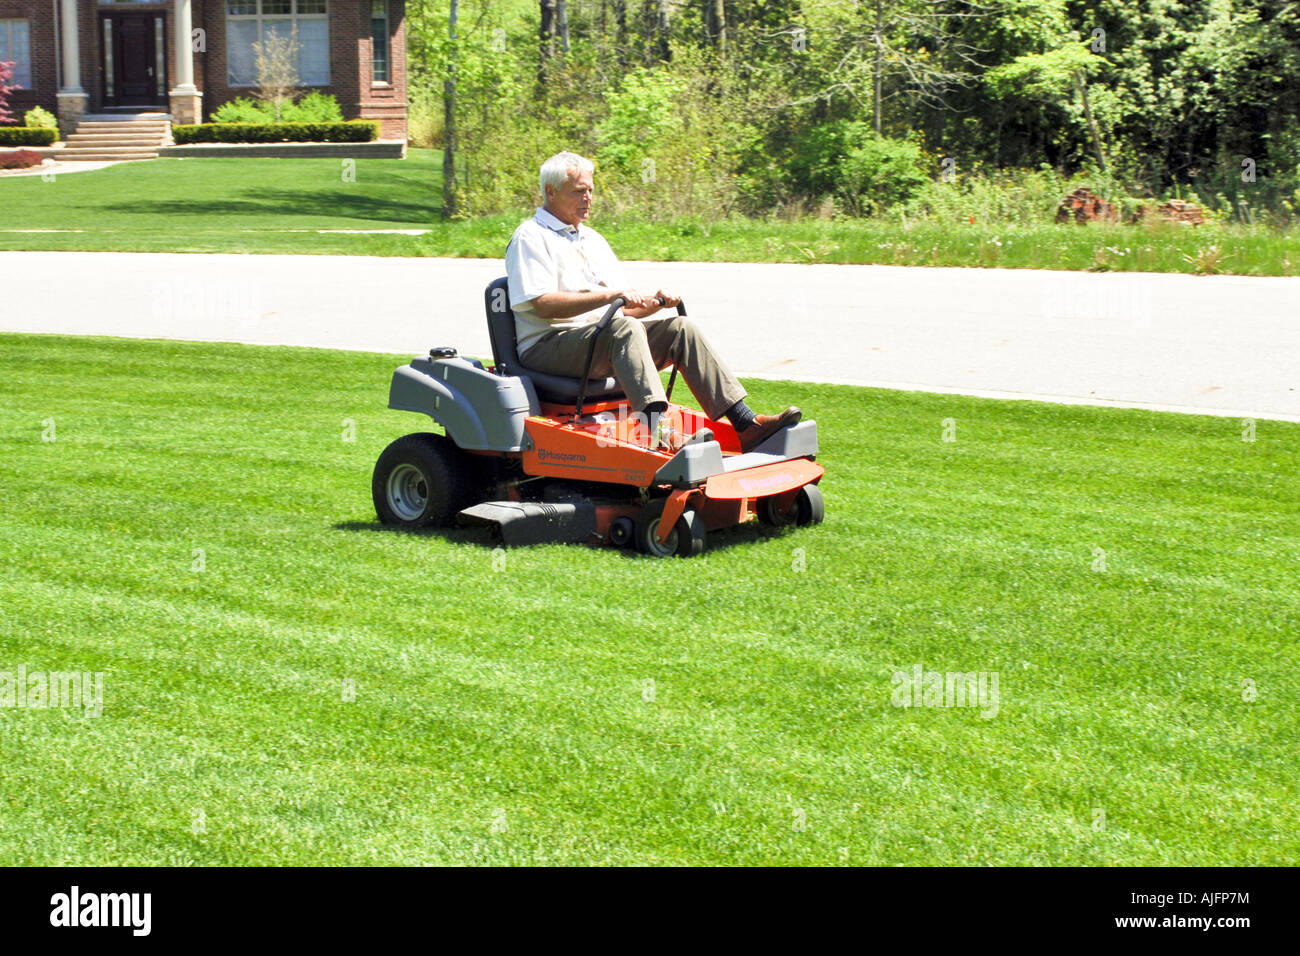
(722, 540)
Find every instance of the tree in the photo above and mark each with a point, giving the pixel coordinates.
(874, 50)
(922, 47)
(6, 71)
(716, 24)
(1169, 93)
(562, 15)
(663, 46)
(449, 119)
(554, 22)
(277, 69)
(620, 32)
(1059, 73)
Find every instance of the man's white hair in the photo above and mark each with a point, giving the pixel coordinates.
(556, 169)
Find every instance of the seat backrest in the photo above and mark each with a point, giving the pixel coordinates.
(501, 332)
(501, 327)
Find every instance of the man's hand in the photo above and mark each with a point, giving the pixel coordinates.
(641, 306)
(632, 300)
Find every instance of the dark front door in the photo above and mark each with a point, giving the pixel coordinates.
(134, 54)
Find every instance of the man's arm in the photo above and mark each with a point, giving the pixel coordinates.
(565, 305)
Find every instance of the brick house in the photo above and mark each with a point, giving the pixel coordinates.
(187, 57)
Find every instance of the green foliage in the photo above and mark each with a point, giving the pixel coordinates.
(1044, 75)
(40, 118)
(27, 136)
(315, 107)
(424, 118)
(1179, 96)
(243, 110)
(864, 172)
(669, 143)
(353, 131)
(879, 173)
(643, 112)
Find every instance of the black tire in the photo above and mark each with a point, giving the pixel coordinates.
(621, 531)
(685, 541)
(421, 481)
(808, 508)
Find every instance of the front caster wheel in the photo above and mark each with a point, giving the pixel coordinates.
(808, 508)
(621, 531)
(685, 540)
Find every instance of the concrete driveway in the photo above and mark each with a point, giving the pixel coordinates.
(1220, 345)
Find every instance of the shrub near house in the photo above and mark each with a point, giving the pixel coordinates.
(27, 136)
(41, 129)
(20, 135)
(353, 131)
(19, 159)
(316, 118)
(315, 107)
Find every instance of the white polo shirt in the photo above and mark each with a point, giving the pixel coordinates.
(548, 255)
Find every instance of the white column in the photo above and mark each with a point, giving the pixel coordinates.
(71, 50)
(184, 48)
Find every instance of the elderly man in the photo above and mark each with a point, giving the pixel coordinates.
(563, 276)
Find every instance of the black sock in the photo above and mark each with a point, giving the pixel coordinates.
(740, 415)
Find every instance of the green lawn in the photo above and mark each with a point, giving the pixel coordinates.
(200, 532)
(279, 206)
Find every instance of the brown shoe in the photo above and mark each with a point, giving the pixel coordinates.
(765, 426)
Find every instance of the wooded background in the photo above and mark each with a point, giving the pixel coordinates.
(713, 108)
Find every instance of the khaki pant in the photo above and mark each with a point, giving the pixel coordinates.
(632, 351)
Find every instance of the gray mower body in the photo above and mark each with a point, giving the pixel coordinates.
(480, 411)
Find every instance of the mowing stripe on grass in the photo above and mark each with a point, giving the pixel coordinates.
(287, 682)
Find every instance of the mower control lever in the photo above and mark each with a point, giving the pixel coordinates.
(601, 326)
(617, 303)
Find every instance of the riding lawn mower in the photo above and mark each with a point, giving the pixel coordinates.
(542, 458)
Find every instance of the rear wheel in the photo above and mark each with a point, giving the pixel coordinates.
(421, 481)
(808, 508)
(685, 540)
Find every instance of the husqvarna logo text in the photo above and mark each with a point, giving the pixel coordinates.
(545, 454)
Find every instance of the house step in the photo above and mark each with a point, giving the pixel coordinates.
(122, 126)
(129, 137)
(88, 139)
(128, 115)
(96, 158)
(108, 159)
(153, 135)
(112, 147)
(100, 153)
(131, 131)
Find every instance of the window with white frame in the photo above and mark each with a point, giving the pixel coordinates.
(253, 21)
(16, 46)
(379, 41)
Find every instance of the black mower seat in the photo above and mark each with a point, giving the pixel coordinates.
(550, 388)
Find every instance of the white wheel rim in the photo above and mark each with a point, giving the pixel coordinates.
(408, 492)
